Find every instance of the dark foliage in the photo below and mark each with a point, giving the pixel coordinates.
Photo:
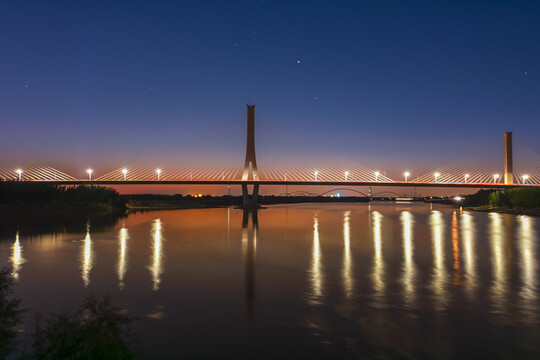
(10, 313)
(15, 192)
(516, 198)
(98, 330)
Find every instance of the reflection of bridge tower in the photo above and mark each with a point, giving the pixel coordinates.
(508, 168)
(249, 247)
(250, 200)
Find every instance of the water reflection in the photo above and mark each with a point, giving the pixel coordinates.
(122, 263)
(378, 263)
(347, 271)
(315, 270)
(156, 268)
(87, 257)
(527, 249)
(457, 279)
(469, 256)
(249, 248)
(409, 270)
(16, 258)
(439, 277)
(498, 262)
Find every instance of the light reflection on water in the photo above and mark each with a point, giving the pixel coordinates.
(469, 256)
(378, 261)
(348, 280)
(17, 258)
(87, 258)
(316, 271)
(446, 267)
(527, 247)
(498, 263)
(156, 268)
(439, 277)
(122, 261)
(409, 269)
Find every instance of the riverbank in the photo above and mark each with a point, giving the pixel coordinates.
(506, 210)
(146, 202)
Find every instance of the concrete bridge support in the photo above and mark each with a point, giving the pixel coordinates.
(508, 163)
(250, 201)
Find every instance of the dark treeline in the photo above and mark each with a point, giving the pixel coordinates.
(526, 198)
(15, 192)
(37, 208)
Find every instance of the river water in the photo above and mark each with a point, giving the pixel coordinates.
(299, 281)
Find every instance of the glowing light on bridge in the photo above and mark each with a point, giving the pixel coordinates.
(316, 173)
(346, 175)
(158, 171)
(376, 176)
(525, 177)
(124, 171)
(19, 171)
(89, 171)
(495, 178)
(436, 176)
(406, 175)
(466, 176)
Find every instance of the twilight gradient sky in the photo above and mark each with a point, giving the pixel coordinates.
(98, 83)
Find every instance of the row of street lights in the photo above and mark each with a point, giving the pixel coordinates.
(406, 174)
(124, 171)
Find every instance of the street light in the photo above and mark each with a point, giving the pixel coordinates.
(406, 175)
(89, 171)
(466, 176)
(19, 171)
(124, 171)
(158, 171)
(346, 174)
(525, 177)
(495, 177)
(376, 175)
(436, 176)
(316, 173)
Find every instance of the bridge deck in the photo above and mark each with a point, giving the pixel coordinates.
(281, 182)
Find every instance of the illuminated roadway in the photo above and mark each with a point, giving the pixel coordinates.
(282, 182)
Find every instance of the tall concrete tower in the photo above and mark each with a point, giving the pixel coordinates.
(250, 201)
(508, 164)
(250, 147)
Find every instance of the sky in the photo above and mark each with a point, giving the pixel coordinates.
(413, 84)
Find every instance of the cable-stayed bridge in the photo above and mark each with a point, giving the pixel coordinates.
(206, 168)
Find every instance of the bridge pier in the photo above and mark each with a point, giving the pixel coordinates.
(250, 201)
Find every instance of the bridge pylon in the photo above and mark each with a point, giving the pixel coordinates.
(251, 162)
(508, 163)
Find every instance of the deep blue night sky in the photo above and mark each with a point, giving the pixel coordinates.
(379, 81)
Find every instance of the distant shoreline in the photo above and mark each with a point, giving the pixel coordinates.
(501, 210)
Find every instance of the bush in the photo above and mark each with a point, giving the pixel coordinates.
(516, 197)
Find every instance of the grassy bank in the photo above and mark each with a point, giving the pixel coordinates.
(518, 201)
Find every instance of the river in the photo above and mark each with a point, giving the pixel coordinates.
(299, 281)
